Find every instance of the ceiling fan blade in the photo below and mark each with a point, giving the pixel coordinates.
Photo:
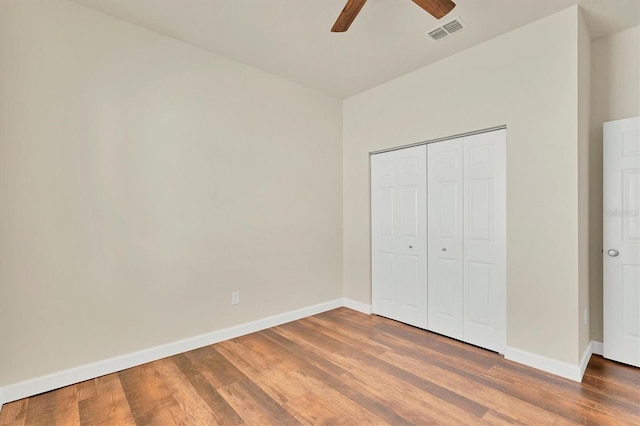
(437, 8)
(348, 14)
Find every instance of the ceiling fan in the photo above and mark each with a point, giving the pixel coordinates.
(437, 8)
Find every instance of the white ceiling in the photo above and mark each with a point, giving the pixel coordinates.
(291, 38)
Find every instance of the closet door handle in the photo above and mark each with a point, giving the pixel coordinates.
(444, 249)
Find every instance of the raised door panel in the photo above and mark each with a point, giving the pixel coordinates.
(445, 297)
(630, 296)
(480, 209)
(384, 269)
(631, 204)
(479, 286)
(445, 163)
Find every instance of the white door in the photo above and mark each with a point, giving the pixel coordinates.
(484, 256)
(621, 154)
(445, 248)
(399, 235)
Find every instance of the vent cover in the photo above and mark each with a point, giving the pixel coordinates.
(444, 30)
(438, 33)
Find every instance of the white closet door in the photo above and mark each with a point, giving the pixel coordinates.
(622, 240)
(485, 240)
(399, 252)
(445, 247)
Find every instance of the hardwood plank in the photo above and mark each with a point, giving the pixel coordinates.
(345, 334)
(67, 412)
(214, 367)
(273, 379)
(221, 410)
(108, 406)
(187, 397)
(311, 357)
(276, 382)
(325, 405)
(41, 409)
(320, 340)
(150, 400)
(15, 423)
(86, 389)
(497, 419)
(14, 413)
(255, 406)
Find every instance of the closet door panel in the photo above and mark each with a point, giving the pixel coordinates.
(383, 232)
(445, 250)
(485, 240)
(399, 272)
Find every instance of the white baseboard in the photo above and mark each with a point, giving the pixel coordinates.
(356, 306)
(584, 359)
(112, 365)
(550, 365)
(597, 348)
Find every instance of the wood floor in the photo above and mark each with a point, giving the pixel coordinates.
(339, 367)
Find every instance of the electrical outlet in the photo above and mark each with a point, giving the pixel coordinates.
(235, 297)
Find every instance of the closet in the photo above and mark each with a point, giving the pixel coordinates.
(438, 215)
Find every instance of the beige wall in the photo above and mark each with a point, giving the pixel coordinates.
(615, 91)
(584, 108)
(528, 80)
(141, 181)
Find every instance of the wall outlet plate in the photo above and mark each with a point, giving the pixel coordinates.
(235, 297)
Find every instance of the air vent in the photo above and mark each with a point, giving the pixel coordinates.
(438, 33)
(444, 30)
(453, 26)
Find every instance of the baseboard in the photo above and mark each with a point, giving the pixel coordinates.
(356, 306)
(119, 363)
(584, 359)
(597, 348)
(550, 365)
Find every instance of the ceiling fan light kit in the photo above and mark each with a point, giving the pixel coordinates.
(436, 8)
